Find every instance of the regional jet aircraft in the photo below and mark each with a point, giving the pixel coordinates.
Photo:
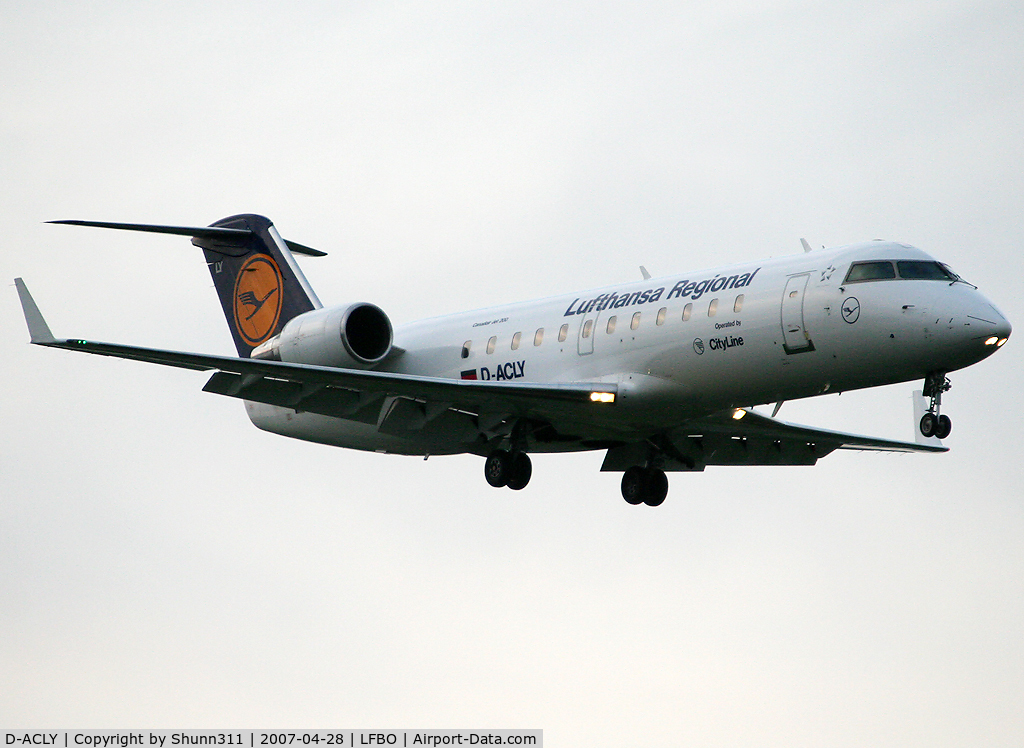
(660, 373)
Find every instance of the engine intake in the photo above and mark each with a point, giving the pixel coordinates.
(355, 336)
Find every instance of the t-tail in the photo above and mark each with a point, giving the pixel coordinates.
(258, 281)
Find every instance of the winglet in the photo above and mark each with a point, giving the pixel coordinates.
(806, 246)
(643, 271)
(37, 326)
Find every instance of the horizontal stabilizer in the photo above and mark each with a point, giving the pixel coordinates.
(221, 235)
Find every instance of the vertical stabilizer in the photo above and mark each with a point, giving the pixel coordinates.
(256, 276)
(259, 283)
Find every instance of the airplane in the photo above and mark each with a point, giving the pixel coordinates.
(661, 373)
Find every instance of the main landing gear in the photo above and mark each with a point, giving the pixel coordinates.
(644, 485)
(508, 468)
(932, 423)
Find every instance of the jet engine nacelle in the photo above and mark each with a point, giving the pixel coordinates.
(357, 336)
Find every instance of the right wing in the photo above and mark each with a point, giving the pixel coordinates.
(750, 439)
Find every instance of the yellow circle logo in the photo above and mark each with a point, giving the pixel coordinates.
(258, 292)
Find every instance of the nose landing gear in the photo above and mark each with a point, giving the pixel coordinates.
(932, 423)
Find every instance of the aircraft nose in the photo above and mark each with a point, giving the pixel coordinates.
(999, 332)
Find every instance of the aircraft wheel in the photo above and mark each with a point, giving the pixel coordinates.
(929, 424)
(656, 488)
(633, 484)
(944, 427)
(498, 468)
(521, 470)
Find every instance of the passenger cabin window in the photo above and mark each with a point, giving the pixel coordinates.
(737, 305)
(687, 311)
(465, 348)
(563, 332)
(870, 271)
(515, 341)
(635, 322)
(538, 337)
(713, 308)
(661, 315)
(491, 343)
(610, 327)
(588, 327)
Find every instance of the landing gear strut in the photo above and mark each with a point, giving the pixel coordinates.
(644, 485)
(932, 423)
(505, 468)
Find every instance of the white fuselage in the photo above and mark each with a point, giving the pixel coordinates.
(690, 344)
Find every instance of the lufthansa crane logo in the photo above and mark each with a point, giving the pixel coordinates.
(258, 292)
(851, 309)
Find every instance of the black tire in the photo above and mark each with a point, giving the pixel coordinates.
(633, 485)
(497, 468)
(944, 427)
(656, 488)
(929, 425)
(521, 470)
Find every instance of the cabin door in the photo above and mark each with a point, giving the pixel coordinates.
(588, 330)
(795, 336)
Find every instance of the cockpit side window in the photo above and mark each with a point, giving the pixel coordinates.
(924, 270)
(870, 271)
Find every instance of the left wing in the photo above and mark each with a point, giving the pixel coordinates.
(352, 393)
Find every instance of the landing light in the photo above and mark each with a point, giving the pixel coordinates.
(602, 397)
(1001, 342)
(738, 413)
(992, 341)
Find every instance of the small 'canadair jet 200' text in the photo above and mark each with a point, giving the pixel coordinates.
(661, 373)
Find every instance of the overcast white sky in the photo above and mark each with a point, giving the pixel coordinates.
(165, 564)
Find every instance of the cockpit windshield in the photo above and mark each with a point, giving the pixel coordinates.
(875, 270)
(870, 271)
(924, 270)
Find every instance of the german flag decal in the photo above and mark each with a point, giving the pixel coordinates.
(258, 298)
(469, 374)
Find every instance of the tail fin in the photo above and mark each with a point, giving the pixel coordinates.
(259, 283)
